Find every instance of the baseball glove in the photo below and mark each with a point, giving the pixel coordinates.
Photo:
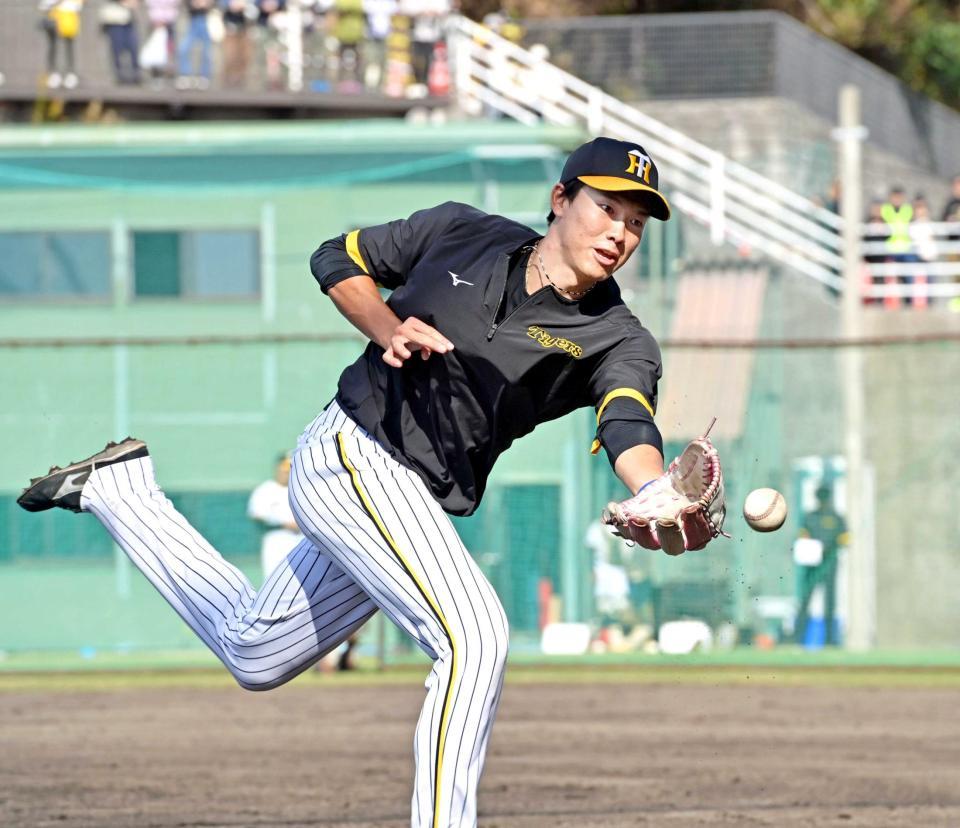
(680, 510)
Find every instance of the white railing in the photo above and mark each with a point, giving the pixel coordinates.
(925, 266)
(739, 205)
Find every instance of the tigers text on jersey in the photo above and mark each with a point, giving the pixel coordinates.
(449, 417)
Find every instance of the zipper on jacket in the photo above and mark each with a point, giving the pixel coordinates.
(497, 325)
(494, 324)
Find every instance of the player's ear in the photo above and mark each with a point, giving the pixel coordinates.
(558, 199)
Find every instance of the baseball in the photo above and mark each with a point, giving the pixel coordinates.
(765, 510)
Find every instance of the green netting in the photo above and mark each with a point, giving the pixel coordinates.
(217, 414)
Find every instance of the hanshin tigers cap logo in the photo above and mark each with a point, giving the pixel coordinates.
(618, 166)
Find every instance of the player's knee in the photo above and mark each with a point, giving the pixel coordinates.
(260, 679)
(489, 655)
(259, 683)
(255, 687)
(502, 638)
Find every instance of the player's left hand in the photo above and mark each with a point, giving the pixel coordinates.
(683, 509)
(414, 335)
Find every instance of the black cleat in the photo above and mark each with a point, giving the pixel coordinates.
(62, 487)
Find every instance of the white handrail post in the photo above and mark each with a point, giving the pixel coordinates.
(461, 53)
(718, 199)
(861, 622)
(595, 111)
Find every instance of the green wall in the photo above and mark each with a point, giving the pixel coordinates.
(216, 415)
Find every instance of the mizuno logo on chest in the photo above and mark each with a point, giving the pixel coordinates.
(457, 280)
(548, 341)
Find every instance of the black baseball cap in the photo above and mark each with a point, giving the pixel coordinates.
(617, 166)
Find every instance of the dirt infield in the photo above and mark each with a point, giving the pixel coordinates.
(324, 753)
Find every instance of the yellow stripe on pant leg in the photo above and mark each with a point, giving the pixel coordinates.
(385, 534)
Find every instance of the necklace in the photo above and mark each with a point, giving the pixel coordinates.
(572, 294)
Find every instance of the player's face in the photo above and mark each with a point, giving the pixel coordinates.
(598, 230)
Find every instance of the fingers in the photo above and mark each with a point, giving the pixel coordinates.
(696, 528)
(670, 537)
(642, 531)
(392, 359)
(415, 335)
(421, 336)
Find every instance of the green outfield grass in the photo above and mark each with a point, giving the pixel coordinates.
(88, 660)
(109, 672)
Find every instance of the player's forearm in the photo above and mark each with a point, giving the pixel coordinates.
(359, 300)
(638, 465)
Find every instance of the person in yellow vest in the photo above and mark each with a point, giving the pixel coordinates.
(61, 24)
(897, 213)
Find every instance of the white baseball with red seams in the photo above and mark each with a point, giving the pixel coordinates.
(765, 510)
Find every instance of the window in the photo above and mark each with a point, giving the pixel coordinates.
(196, 264)
(55, 265)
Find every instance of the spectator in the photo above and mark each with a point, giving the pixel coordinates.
(876, 233)
(61, 24)
(922, 234)
(270, 13)
(117, 21)
(511, 29)
(163, 15)
(379, 14)
(198, 32)
(428, 17)
(924, 243)
(319, 46)
(826, 527)
(875, 238)
(832, 199)
(951, 211)
(399, 72)
(897, 214)
(237, 46)
(348, 30)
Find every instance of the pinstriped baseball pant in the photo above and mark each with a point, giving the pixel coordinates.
(374, 539)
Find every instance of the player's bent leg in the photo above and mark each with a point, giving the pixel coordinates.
(306, 608)
(379, 521)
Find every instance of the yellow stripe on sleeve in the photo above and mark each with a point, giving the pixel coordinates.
(630, 393)
(353, 251)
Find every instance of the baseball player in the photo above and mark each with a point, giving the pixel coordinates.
(489, 330)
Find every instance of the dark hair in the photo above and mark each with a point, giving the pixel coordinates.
(570, 190)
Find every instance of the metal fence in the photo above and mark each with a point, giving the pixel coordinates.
(749, 54)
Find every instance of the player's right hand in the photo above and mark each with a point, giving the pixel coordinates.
(413, 335)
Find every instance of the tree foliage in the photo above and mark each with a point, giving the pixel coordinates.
(917, 40)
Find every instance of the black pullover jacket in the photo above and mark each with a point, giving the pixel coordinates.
(448, 418)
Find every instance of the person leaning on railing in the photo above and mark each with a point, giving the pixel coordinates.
(118, 23)
(60, 23)
(951, 214)
(897, 214)
(923, 236)
(162, 16)
(198, 34)
(874, 239)
(237, 45)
